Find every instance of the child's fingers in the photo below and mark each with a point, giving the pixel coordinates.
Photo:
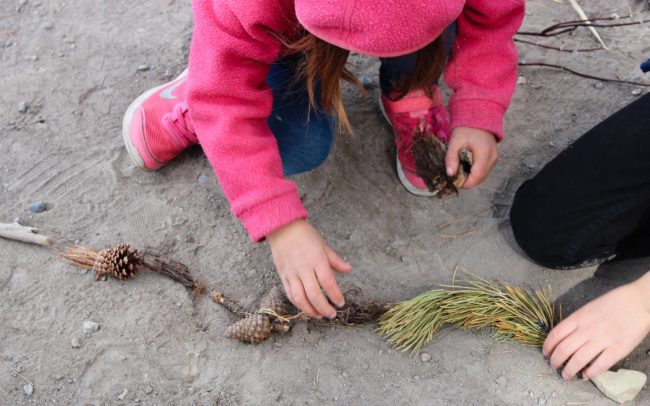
(452, 159)
(316, 297)
(300, 299)
(581, 359)
(480, 170)
(604, 361)
(328, 282)
(566, 349)
(336, 262)
(558, 334)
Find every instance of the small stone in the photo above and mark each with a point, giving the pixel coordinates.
(622, 385)
(28, 389)
(122, 396)
(23, 106)
(148, 389)
(365, 366)
(75, 343)
(531, 394)
(498, 391)
(83, 271)
(599, 86)
(47, 25)
(90, 326)
(143, 68)
(425, 357)
(636, 92)
(501, 381)
(553, 395)
(521, 81)
(541, 401)
(408, 260)
(201, 179)
(366, 82)
(38, 207)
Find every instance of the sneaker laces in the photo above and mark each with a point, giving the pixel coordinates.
(180, 126)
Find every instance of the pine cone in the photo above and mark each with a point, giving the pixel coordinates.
(121, 262)
(275, 300)
(253, 329)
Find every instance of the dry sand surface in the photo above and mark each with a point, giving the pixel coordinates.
(78, 64)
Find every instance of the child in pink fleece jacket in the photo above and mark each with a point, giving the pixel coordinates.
(240, 100)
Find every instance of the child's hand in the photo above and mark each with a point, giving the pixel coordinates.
(483, 145)
(602, 332)
(305, 263)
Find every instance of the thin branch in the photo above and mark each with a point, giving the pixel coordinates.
(570, 26)
(570, 50)
(583, 75)
(18, 232)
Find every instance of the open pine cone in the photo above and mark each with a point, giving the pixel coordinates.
(429, 153)
(253, 329)
(121, 262)
(275, 300)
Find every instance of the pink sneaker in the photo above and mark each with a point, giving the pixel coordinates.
(415, 110)
(156, 127)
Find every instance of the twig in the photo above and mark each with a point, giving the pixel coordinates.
(229, 304)
(570, 26)
(469, 231)
(467, 217)
(584, 17)
(584, 75)
(25, 379)
(22, 233)
(570, 50)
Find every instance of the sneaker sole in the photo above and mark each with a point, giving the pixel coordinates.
(414, 190)
(134, 154)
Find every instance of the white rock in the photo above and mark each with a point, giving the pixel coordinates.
(75, 343)
(636, 92)
(90, 326)
(521, 80)
(425, 357)
(123, 394)
(622, 385)
(28, 389)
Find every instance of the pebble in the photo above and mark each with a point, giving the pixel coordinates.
(23, 106)
(143, 68)
(365, 366)
(501, 381)
(28, 389)
(521, 81)
(75, 343)
(90, 326)
(599, 85)
(408, 260)
(498, 391)
(47, 25)
(202, 179)
(541, 401)
(148, 389)
(38, 207)
(622, 385)
(122, 396)
(425, 357)
(636, 92)
(366, 82)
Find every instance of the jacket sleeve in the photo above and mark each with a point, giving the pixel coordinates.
(482, 69)
(229, 103)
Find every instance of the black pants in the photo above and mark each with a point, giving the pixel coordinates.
(592, 202)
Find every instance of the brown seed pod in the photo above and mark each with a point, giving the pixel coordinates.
(429, 154)
(121, 262)
(275, 300)
(253, 329)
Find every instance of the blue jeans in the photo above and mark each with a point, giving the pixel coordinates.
(305, 135)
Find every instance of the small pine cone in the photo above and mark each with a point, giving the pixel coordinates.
(253, 329)
(121, 262)
(275, 300)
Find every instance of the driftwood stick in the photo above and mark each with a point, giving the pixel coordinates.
(22, 233)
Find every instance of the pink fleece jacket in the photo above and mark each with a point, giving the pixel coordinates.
(232, 50)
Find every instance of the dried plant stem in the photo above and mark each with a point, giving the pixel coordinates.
(584, 17)
(230, 304)
(176, 271)
(583, 75)
(570, 50)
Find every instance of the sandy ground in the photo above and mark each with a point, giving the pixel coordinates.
(76, 65)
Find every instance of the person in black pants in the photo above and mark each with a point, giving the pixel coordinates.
(589, 205)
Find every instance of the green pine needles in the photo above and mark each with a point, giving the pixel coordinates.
(512, 313)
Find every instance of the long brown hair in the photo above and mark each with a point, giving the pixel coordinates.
(325, 64)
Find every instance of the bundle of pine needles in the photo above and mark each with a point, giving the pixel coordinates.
(512, 313)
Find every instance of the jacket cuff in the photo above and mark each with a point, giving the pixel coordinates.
(268, 216)
(482, 114)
